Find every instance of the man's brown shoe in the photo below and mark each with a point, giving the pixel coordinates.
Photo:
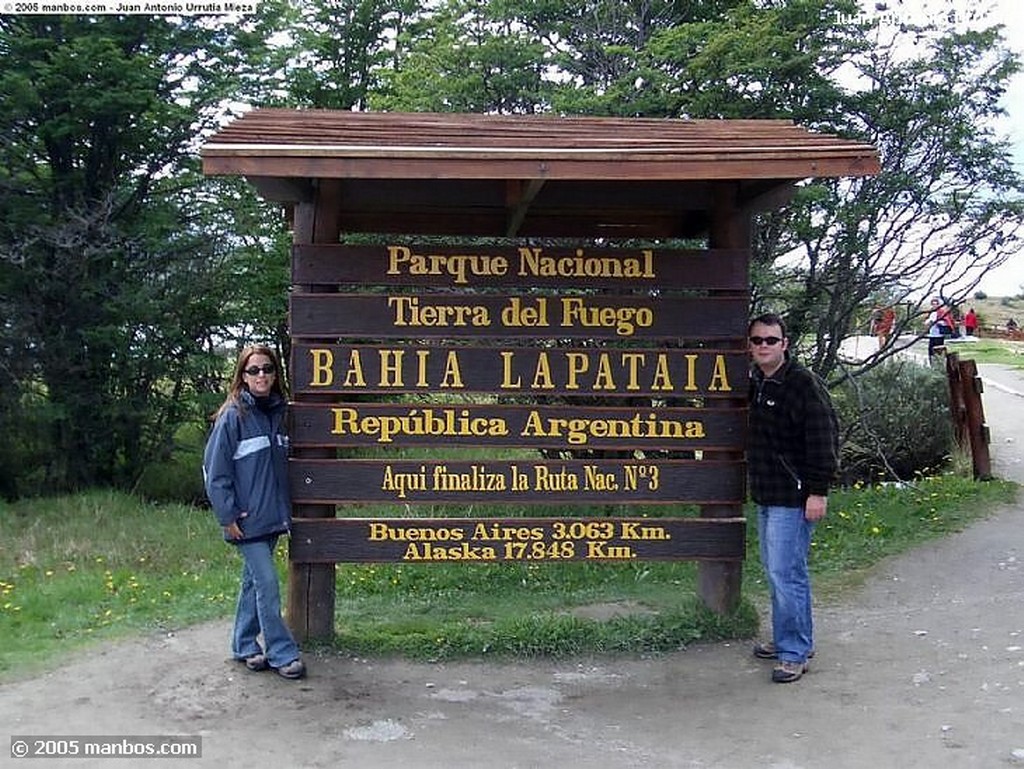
(767, 651)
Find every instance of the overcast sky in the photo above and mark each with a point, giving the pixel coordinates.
(1007, 280)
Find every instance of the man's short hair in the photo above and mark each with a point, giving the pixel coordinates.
(768, 319)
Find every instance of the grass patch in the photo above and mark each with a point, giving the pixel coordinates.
(86, 568)
(510, 610)
(1002, 351)
(93, 567)
(868, 524)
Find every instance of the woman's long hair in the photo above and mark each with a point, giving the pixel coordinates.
(238, 382)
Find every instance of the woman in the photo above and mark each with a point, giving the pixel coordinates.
(245, 473)
(936, 323)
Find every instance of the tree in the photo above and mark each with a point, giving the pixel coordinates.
(111, 278)
(465, 56)
(327, 55)
(946, 208)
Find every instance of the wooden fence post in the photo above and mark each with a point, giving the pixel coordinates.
(957, 406)
(968, 413)
(976, 428)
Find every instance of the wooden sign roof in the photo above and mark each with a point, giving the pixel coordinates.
(527, 175)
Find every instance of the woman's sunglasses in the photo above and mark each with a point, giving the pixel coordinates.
(266, 368)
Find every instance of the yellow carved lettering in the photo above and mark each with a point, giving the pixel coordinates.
(354, 377)
(391, 368)
(542, 379)
(507, 372)
(662, 374)
(323, 373)
(452, 373)
(720, 376)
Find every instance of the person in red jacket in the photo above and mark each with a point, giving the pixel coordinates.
(882, 325)
(971, 323)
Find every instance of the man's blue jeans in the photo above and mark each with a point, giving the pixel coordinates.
(259, 608)
(785, 539)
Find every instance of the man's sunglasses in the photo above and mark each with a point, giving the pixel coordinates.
(266, 368)
(771, 341)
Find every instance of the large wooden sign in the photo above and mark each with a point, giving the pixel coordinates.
(611, 377)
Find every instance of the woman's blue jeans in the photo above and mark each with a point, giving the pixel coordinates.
(259, 608)
(785, 540)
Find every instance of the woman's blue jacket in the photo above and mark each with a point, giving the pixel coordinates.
(245, 468)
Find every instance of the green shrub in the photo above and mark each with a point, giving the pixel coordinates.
(895, 423)
(178, 476)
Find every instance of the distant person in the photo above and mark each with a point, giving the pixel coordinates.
(245, 474)
(1011, 325)
(971, 323)
(938, 329)
(884, 325)
(792, 458)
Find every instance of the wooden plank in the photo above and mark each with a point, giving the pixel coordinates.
(532, 427)
(448, 368)
(509, 316)
(291, 161)
(629, 222)
(526, 266)
(515, 540)
(350, 133)
(604, 481)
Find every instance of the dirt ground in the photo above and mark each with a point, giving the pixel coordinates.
(922, 667)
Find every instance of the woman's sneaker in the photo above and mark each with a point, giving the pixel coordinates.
(294, 669)
(256, 662)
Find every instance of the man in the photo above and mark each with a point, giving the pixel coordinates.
(792, 458)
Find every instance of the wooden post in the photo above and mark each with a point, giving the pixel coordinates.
(311, 586)
(957, 407)
(719, 583)
(976, 429)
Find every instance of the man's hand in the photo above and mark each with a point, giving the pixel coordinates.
(816, 507)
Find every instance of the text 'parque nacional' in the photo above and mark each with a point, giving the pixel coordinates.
(529, 262)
